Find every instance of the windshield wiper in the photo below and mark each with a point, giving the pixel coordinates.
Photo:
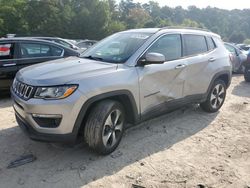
(94, 58)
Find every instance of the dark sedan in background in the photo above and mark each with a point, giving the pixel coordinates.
(61, 41)
(17, 53)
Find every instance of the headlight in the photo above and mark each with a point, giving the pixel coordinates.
(57, 92)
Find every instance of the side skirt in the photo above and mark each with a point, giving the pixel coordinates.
(171, 106)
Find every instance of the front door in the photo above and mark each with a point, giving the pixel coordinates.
(162, 83)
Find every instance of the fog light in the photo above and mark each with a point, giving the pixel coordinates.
(47, 120)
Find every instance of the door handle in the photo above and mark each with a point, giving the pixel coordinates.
(9, 65)
(212, 59)
(181, 66)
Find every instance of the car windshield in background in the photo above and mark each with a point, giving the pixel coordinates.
(117, 48)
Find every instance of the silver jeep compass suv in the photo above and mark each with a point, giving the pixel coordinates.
(129, 77)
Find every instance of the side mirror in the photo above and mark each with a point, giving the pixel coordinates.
(152, 58)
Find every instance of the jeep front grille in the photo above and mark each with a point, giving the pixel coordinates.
(22, 90)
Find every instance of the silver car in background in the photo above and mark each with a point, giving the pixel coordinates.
(238, 57)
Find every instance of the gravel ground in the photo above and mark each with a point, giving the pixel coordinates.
(186, 148)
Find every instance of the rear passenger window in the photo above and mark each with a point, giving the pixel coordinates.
(230, 49)
(210, 43)
(56, 51)
(169, 46)
(194, 44)
(6, 51)
(29, 50)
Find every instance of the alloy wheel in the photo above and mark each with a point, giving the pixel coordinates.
(112, 130)
(217, 96)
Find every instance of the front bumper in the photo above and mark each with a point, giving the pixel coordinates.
(45, 137)
(68, 108)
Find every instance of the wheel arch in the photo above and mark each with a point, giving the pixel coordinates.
(125, 97)
(225, 76)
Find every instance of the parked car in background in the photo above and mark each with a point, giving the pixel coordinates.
(72, 41)
(130, 76)
(65, 42)
(247, 68)
(244, 47)
(238, 57)
(17, 53)
(85, 44)
(9, 35)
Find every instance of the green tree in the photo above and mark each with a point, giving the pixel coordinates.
(191, 23)
(124, 7)
(237, 37)
(95, 19)
(137, 18)
(11, 17)
(247, 41)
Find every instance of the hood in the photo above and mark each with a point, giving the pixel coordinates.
(63, 71)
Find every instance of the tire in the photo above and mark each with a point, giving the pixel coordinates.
(240, 70)
(216, 97)
(247, 74)
(104, 127)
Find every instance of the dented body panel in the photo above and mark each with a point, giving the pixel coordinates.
(160, 83)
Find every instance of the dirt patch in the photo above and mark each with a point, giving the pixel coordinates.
(186, 148)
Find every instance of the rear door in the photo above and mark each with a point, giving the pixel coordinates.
(31, 53)
(199, 58)
(8, 67)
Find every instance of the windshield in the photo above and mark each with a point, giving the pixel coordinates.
(117, 48)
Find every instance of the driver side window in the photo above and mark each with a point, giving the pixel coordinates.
(169, 46)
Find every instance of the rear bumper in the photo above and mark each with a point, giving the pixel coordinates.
(45, 137)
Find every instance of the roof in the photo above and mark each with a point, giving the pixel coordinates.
(46, 37)
(13, 39)
(175, 29)
(23, 39)
(143, 30)
(186, 28)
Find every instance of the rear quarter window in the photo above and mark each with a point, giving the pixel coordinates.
(56, 51)
(210, 43)
(194, 44)
(6, 51)
(230, 48)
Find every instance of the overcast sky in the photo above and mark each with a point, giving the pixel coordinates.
(224, 4)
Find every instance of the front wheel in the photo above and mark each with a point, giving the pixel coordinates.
(104, 127)
(215, 98)
(247, 74)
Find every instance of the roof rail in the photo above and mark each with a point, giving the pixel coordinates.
(181, 27)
